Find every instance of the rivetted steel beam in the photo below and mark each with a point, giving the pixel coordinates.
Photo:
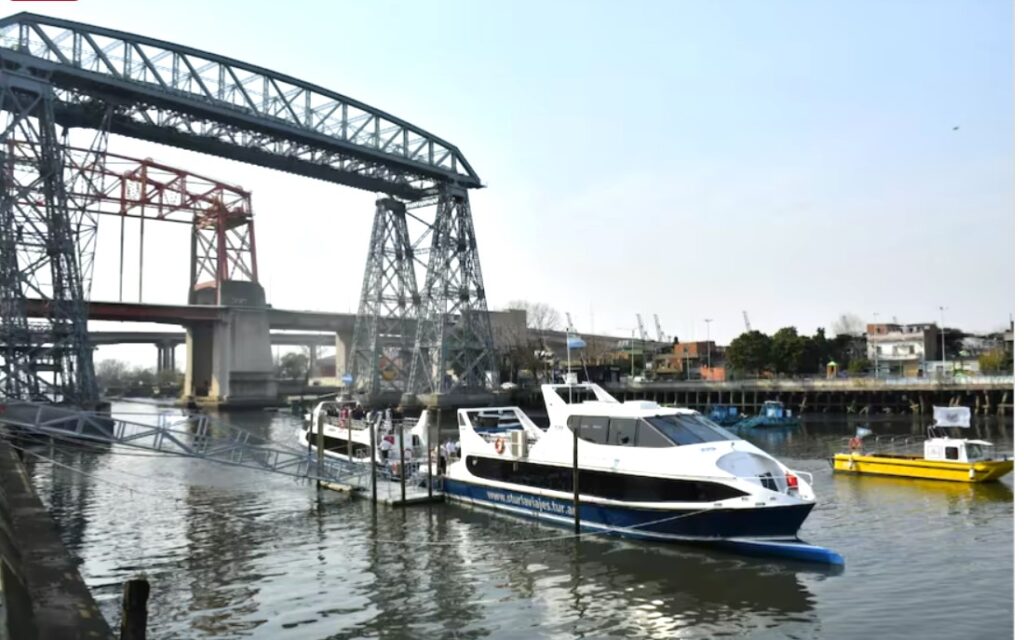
(185, 97)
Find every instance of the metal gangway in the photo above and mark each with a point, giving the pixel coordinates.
(193, 435)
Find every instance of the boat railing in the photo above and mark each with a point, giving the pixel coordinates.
(903, 444)
(806, 476)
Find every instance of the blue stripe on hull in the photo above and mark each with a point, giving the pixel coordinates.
(765, 522)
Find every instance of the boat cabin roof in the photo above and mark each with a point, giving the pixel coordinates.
(984, 443)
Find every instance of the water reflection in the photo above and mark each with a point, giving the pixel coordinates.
(219, 553)
(236, 553)
(604, 586)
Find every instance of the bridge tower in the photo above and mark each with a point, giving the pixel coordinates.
(453, 332)
(381, 354)
(223, 247)
(38, 254)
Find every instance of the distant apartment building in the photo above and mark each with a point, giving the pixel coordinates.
(689, 360)
(902, 349)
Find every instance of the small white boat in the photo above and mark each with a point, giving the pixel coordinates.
(349, 439)
(645, 471)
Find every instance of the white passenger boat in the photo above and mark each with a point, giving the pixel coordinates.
(645, 471)
(349, 439)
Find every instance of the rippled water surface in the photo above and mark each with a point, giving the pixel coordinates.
(232, 553)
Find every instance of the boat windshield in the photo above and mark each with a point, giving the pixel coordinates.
(682, 428)
(976, 451)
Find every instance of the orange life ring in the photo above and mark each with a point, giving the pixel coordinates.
(499, 445)
(855, 443)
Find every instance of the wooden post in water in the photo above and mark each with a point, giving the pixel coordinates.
(576, 477)
(430, 472)
(133, 609)
(401, 458)
(349, 421)
(437, 447)
(373, 464)
(319, 451)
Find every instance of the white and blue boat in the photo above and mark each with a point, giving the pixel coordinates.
(645, 471)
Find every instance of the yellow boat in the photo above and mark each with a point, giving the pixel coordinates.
(945, 458)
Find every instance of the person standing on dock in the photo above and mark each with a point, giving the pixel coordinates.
(442, 460)
(386, 445)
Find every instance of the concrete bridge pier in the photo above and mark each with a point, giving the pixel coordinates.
(341, 345)
(165, 356)
(229, 362)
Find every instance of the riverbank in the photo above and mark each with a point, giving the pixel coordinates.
(43, 594)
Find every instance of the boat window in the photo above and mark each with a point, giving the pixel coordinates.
(952, 453)
(975, 451)
(579, 394)
(685, 429)
(622, 432)
(648, 436)
(593, 429)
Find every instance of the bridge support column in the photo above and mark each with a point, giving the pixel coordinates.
(165, 357)
(341, 346)
(229, 363)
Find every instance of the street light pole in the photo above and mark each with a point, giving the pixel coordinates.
(632, 355)
(875, 354)
(942, 331)
(707, 322)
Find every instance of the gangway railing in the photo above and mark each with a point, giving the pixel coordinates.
(191, 436)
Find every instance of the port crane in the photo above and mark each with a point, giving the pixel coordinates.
(657, 329)
(641, 331)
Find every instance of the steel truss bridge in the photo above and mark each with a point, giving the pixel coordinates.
(57, 75)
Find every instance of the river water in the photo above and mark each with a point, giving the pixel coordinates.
(233, 553)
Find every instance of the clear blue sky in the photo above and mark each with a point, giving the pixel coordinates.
(693, 159)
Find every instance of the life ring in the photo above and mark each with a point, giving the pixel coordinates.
(854, 443)
(499, 445)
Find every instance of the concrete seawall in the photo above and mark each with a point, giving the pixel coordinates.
(43, 594)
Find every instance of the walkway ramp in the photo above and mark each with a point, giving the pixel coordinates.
(192, 436)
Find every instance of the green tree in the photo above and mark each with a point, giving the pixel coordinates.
(293, 366)
(111, 373)
(169, 377)
(749, 353)
(858, 365)
(142, 377)
(787, 349)
(993, 361)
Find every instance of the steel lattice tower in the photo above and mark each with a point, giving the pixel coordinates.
(83, 179)
(453, 332)
(39, 254)
(381, 354)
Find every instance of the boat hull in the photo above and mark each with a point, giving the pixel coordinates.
(909, 467)
(683, 525)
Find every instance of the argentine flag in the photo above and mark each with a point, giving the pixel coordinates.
(575, 342)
